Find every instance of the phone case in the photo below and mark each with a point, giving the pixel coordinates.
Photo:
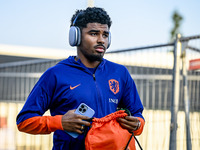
(84, 110)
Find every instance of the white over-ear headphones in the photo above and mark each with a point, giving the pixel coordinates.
(75, 34)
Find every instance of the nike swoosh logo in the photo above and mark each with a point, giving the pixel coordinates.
(71, 88)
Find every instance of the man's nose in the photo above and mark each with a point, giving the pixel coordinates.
(101, 39)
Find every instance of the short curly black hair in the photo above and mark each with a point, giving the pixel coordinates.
(90, 15)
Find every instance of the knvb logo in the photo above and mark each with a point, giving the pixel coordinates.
(114, 85)
(111, 100)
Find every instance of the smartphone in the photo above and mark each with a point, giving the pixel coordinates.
(84, 110)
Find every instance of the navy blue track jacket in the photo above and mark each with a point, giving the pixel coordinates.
(64, 86)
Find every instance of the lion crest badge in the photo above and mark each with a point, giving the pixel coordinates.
(114, 85)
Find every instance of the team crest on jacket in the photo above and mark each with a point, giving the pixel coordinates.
(114, 85)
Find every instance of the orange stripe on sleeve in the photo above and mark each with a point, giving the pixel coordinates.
(139, 131)
(41, 124)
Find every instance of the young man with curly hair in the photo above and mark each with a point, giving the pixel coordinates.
(85, 78)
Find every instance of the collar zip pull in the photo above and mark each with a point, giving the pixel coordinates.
(94, 77)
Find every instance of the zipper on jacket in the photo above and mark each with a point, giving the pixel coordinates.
(94, 77)
(95, 71)
(98, 93)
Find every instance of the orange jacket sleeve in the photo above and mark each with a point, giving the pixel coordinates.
(41, 124)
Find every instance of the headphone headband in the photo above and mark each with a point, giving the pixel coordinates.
(73, 23)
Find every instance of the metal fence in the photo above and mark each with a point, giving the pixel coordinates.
(154, 72)
(18, 78)
(151, 68)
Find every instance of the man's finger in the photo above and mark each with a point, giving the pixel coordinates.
(82, 117)
(131, 118)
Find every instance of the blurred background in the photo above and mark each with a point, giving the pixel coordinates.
(46, 23)
(34, 37)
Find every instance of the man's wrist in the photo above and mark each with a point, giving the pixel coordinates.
(138, 126)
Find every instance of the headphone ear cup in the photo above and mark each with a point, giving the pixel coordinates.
(109, 40)
(74, 36)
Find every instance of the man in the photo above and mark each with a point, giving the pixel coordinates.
(85, 78)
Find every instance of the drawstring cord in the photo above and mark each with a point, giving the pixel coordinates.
(138, 143)
(135, 140)
(129, 141)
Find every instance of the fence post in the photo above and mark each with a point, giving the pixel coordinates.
(175, 92)
(185, 96)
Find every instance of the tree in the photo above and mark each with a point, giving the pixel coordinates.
(177, 19)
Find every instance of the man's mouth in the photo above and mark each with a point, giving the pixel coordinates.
(100, 49)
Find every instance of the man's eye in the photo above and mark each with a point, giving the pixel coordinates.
(105, 35)
(93, 34)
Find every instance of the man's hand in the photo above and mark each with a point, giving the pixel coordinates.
(73, 122)
(130, 123)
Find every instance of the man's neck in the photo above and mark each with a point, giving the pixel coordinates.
(88, 63)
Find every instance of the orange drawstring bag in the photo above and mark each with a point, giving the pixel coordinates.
(107, 134)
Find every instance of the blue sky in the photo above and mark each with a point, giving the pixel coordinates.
(45, 23)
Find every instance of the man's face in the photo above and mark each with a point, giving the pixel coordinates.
(94, 41)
